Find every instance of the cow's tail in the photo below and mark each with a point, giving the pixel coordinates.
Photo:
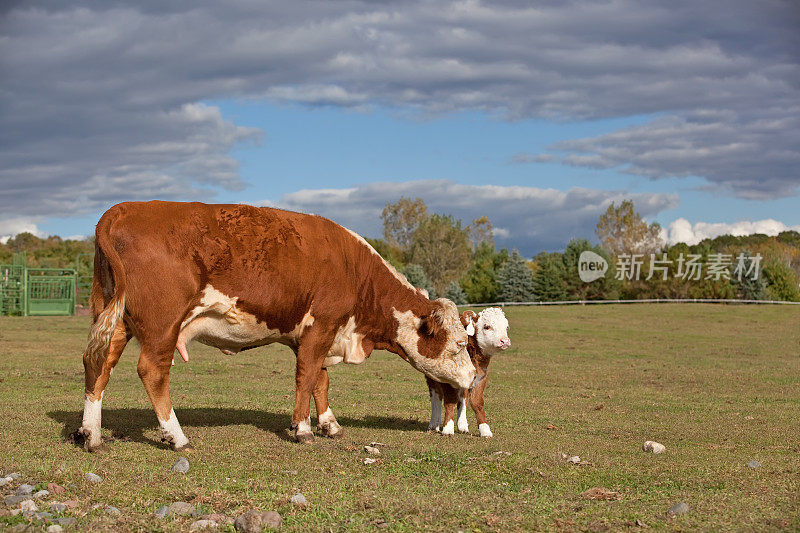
(108, 291)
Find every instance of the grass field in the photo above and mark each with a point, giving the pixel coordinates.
(718, 385)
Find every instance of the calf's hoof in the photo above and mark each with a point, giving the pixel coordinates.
(304, 437)
(484, 430)
(90, 443)
(448, 429)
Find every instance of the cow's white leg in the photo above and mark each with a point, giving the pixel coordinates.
(463, 425)
(484, 430)
(328, 425)
(448, 428)
(171, 431)
(436, 412)
(90, 429)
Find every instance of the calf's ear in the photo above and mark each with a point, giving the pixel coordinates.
(468, 319)
(470, 329)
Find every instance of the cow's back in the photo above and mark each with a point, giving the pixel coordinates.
(275, 263)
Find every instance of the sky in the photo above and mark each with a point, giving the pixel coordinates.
(538, 115)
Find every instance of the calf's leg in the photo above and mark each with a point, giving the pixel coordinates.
(462, 424)
(450, 396)
(96, 376)
(436, 405)
(476, 401)
(326, 422)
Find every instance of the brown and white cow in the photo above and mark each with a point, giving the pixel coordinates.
(237, 277)
(488, 336)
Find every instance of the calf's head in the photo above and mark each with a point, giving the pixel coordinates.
(490, 329)
(436, 343)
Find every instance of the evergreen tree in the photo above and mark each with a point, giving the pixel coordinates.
(416, 276)
(781, 281)
(548, 282)
(456, 293)
(516, 280)
(747, 287)
(605, 288)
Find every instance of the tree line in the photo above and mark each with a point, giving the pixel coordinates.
(460, 261)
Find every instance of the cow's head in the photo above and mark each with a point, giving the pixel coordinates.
(436, 343)
(490, 329)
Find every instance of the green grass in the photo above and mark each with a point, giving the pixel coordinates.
(718, 385)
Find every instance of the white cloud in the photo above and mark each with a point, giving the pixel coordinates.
(9, 227)
(528, 218)
(681, 230)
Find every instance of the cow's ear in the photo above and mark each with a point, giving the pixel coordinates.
(433, 324)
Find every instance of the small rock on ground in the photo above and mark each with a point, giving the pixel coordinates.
(55, 528)
(254, 521)
(203, 524)
(67, 521)
(298, 499)
(372, 450)
(92, 478)
(58, 507)
(653, 447)
(162, 511)
(14, 475)
(181, 465)
(5, 481)
(42, 494)
(113, 511)
(753, 464)
(71, 504)
(24, 489)
(44, 516)
(678, 508)
(181, 509)
(14, 500)
(28, 505)
(55, 488)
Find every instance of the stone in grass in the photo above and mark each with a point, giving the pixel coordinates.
(55, 488)
(203, 524)
(298, 499)
(113, 511)
(181, 466)
(372, 450)
(25, 489)
(653, 447)
(181, 509)
(753, 463)
(14, 500)
(254, 521)
(92, 478)
(44, 516)
(42, 495)
(28, 506)
(678, 508)
(67, 521)
(55, 528)
(5, 481)
(14, 475)
(162, 511)
(58, 507)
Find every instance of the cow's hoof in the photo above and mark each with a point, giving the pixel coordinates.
(185, 448)
(304, 438)
(332, 431)
(99, 448)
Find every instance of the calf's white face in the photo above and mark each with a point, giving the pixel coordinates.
(491, 330)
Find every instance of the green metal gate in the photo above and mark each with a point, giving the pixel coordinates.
(36, 291)
(50, 292)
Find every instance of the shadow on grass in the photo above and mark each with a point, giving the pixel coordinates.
(133, 423)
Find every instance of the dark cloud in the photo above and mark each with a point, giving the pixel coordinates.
(101, 100)
(528, 218)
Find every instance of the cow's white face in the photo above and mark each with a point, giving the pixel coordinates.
(490, 328)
